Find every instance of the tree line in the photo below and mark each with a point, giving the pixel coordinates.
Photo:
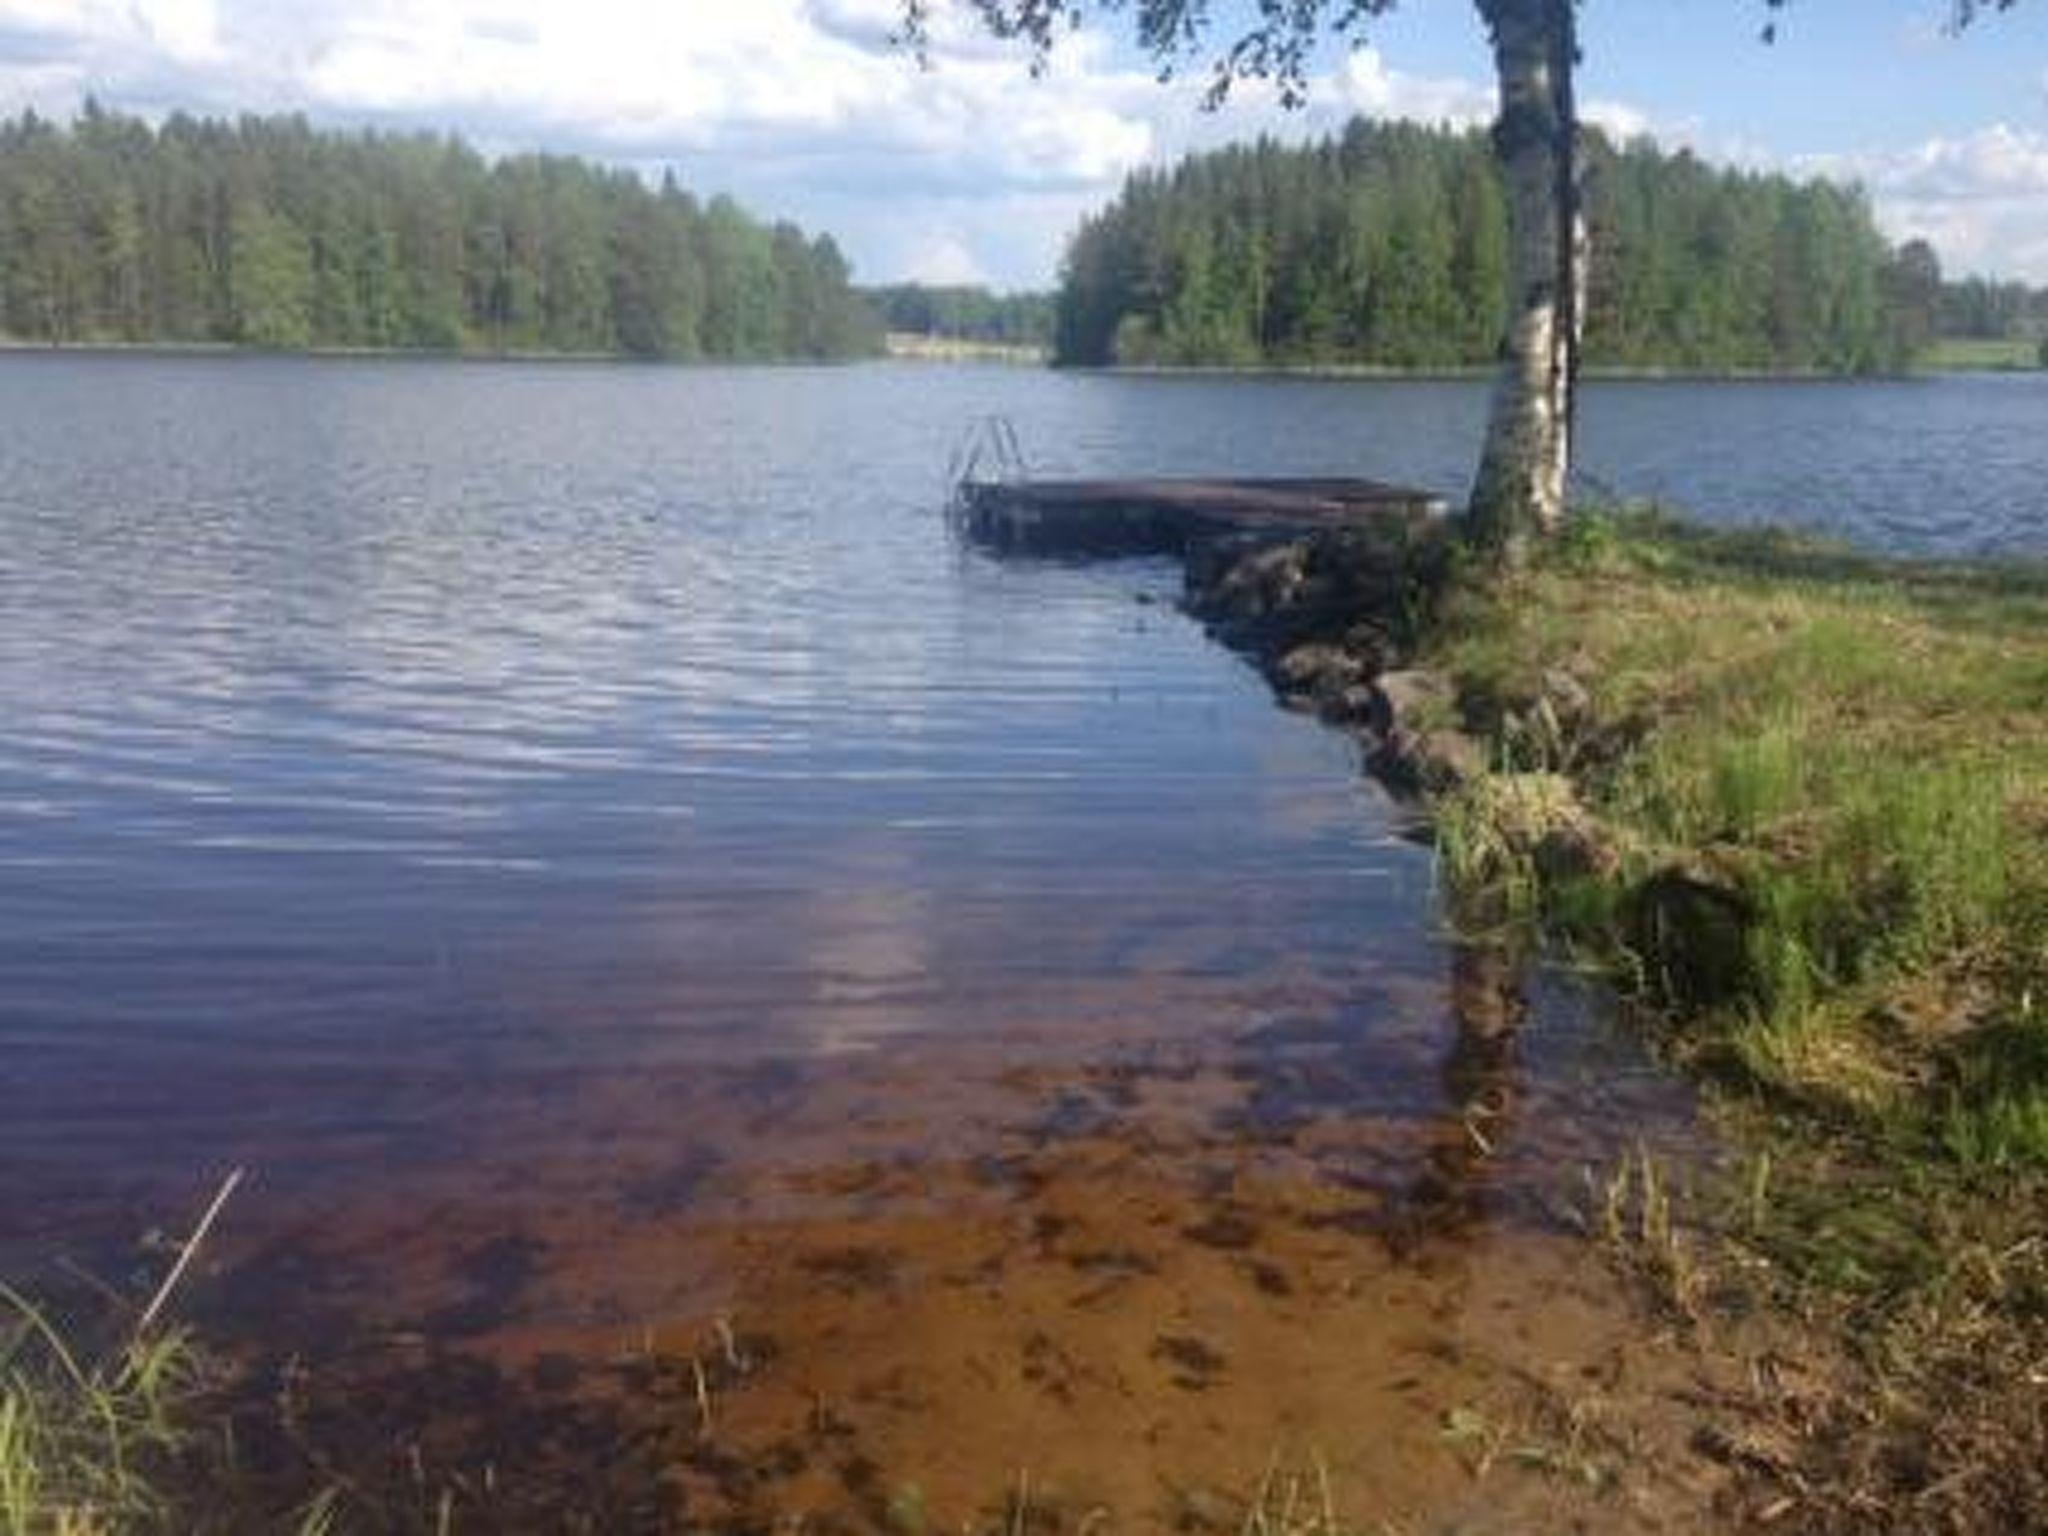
(266, 232)
(1387, 244)
(965, 312)
(1986, 309)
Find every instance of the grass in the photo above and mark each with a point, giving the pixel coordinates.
(1876, 1329)
(1822, 783)
(1817, 785)
(1966, 353)
(97, 1427)
(1293, 1502)
(84, 1442)
(1635, 1220)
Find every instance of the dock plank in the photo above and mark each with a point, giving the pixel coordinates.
(1166, 515)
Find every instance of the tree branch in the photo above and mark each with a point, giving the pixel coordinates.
(1961, 14)
(1278, 45)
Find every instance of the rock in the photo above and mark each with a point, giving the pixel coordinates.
(1449, 758)
(1567, 696)
(1371, 644)
(1690, 922)
(1402, 699)
(1428, 760)
(1349, 706)
(1323, 670)
(1266, 579)
(1324, 613)
(1575, 848)
(1489, 1000)
(1352, 588)
(1235, 586)
(1208, 561)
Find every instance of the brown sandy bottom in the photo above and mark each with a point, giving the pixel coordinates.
(1026, 1286)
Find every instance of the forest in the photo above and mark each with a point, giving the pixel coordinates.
(1984, 309)
(1387, 245)
(265, 232)
(965, 312)
(1384, 245)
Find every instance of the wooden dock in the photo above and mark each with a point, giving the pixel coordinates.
(1169, 516)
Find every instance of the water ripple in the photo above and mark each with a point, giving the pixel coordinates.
(368, 720)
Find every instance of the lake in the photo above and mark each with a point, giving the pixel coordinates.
(605, 861)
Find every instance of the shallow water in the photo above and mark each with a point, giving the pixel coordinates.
(604, 861)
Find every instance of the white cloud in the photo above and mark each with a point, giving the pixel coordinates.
(51, 17)
(176, 31)
(1622, 122)
(1981, 199)
(945, 260)
(186, 30)
(1364, 84)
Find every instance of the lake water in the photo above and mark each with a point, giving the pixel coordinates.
(557, 824)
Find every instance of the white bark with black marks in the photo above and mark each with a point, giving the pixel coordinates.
(1519, 494)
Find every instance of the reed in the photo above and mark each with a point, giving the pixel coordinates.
(88, 1437)
(83, 1443)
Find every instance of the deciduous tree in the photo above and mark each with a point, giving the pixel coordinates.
(1518, 492)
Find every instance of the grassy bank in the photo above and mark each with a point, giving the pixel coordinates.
(915, 347)
(1796, 800)
(1965, 354)
(1817, 790)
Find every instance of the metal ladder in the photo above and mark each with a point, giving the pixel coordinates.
(987, 454)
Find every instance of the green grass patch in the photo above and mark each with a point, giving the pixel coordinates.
(84, 1441)
(1962, 354)
(1825, 777)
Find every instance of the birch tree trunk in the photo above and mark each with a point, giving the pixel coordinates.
(1519, 493)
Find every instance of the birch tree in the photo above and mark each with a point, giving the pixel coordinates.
(1518, 493)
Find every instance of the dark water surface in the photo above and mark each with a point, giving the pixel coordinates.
(375, 734)
(374, 731)
(532, 805)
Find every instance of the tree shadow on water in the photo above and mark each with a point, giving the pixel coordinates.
(1482, 1085)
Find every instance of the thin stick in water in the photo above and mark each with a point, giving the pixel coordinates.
(191, 1248)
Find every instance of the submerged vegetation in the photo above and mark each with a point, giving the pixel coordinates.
(265, 232)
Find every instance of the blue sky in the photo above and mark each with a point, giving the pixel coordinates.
(975, 172)
(1844, 75)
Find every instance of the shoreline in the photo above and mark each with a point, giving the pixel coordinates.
(1602, 374)
(1792, 801)
(10, 347)
(939, 351)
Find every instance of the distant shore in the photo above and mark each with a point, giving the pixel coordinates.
(916, 347)
(15, 346)
(907, 347)
(1597, 373)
